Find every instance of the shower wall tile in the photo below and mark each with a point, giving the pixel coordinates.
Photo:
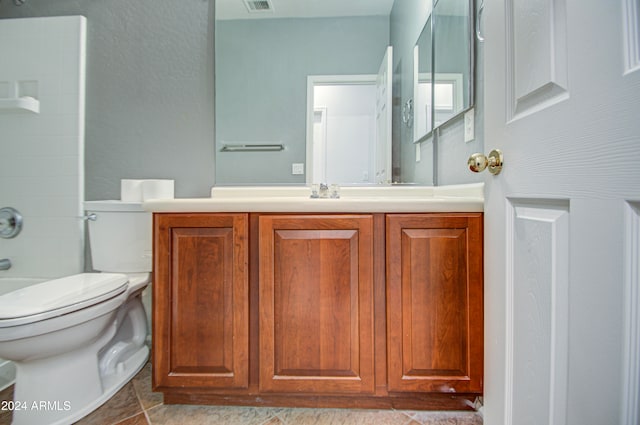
(39, 165)
(43, 171)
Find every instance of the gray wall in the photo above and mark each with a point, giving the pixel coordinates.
(261, 85)
(149, 101)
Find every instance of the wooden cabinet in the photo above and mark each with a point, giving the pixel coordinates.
(335, 310)
(201, 307)
(316, 304)
(434, 299)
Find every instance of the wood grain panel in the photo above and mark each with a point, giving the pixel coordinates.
(434, 296)
(434, 288)
(319, 306)
(380, 303)
(202, 310)
(201, 300)
(316, 304)
(537, 55)
(537, 295)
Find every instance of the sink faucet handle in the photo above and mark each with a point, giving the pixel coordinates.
(5, 264)
(335, 191)
(314, 191)
(322, 191)
(10, 222)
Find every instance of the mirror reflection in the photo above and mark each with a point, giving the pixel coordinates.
(423, 75)
(304, 89)
(264, 62)
(453, 73)
(443, 75)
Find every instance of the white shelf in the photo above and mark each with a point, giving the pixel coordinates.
(20, 104)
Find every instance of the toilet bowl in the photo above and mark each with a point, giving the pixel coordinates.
(77, 340)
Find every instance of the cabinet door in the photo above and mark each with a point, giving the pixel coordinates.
(200, 295)
(316, 304)
(434, 302)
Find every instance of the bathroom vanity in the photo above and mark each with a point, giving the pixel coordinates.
(267, 297)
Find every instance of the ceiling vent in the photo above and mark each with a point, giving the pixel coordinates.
(258, 6)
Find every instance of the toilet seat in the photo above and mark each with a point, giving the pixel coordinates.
(59, 296)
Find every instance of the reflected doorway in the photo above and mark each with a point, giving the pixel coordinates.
(343, 138)
(349, 127)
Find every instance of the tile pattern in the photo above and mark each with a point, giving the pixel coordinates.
(136, 404)
(45, 177)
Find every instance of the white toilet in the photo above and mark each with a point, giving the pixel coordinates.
(77, 340)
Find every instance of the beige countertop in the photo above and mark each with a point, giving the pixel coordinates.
(365, 199)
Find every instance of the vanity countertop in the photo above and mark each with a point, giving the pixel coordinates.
(364, 199)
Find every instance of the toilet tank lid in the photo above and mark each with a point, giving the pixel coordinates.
(59, 296)
(113, 205)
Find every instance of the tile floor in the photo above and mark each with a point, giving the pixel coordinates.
(136, 404)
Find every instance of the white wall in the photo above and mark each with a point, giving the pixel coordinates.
(42, 171)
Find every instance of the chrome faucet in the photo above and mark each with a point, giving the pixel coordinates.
(5, 264)
(324, 190)
(319, 191)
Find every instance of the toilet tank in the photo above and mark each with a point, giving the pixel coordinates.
(119, 236)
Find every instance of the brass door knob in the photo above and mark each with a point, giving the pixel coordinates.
(478, 162)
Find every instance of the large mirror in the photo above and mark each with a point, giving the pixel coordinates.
(304, 89)
(291, 73)
(444, 66)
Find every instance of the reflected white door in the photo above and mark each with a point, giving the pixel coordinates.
(562, 231)
(384, 84)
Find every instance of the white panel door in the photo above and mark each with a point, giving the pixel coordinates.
(384, 84)
(562, 231)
